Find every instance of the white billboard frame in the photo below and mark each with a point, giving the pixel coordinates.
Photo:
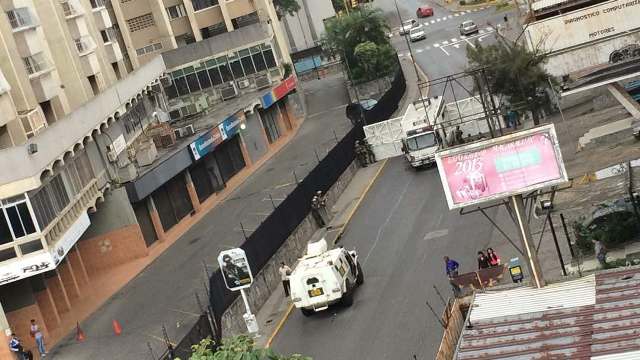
(481, 145)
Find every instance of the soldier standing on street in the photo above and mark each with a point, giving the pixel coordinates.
(371, 157)
(360, 156)
(315, 210)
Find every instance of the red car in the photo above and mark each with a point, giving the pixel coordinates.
(424, 11)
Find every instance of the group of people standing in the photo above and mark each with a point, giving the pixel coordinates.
(15, 345)
(490, 259)
(364, 153)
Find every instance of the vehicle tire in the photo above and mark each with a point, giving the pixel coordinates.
(360, 278)
(347, 299)
(306, 312)
(616, 57)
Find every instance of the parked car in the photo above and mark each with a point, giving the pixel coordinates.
(424, 11)
(417, 33)
(368, 104)
(407, 26)
(468, 27)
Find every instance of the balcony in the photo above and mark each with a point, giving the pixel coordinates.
(45, 84)
(71, 9)
(21, 19)
(32, 121)
(85, 45)
(101, 18)
(72, 129)
(112, 49)
(7, 109)
(28, 43)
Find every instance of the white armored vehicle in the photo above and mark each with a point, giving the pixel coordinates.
(324, 277)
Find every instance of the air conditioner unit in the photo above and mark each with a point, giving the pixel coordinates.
(243, 84)
(188, 130)
(263, 81)
(229, 91)
(168, 140)
(111, 155)
(177, 132)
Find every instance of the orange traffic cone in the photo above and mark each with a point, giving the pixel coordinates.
(117, 329)
(79, 333)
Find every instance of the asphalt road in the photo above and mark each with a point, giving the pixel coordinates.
(163, 294)
(401, 231)
(444, 51)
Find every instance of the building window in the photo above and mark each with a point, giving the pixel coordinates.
(108, 35)
(245, 20)
(20, 17)
(134, 117)
(222, 69)
(18, 216)
(140, 22)
(176, 11)
(32, 125)
(35, 63)
(84, 44)
(70, 9)
(97, 4)
(213, 30)
(203, 4)
(149, 49)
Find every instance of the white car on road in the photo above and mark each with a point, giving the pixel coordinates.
(417, 33)
(407, 26)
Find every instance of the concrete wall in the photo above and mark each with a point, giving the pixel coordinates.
(306, 27)
(588, 56)
(115, 212)
(268, 279)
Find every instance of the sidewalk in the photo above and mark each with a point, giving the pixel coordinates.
(276, 310)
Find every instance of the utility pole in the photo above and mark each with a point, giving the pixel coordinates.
(525, 235)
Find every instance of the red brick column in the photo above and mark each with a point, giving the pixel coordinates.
(58, 292)
(69, 280)
(155, 219)
(193, 195)
(48, 309)
(75, 258)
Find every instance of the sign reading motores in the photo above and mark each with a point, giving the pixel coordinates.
(235, 269)
(501, 167)
(585, 25)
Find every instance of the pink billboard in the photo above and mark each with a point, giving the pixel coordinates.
(501, 167)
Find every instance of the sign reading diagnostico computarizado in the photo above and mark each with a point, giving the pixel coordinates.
(585, 25)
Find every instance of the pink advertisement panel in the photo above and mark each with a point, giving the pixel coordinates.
(503, 168)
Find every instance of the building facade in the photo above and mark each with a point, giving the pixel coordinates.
(114, 145)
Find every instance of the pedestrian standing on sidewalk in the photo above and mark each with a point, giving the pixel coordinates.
(16, 347)
(483, 260)
(601, 252)
(451, 268)
(37, 334)
(360, 157)
(315, 211)
(285, 271)
(494, 259)
(371, 157)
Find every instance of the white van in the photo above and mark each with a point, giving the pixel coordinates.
(325, 277)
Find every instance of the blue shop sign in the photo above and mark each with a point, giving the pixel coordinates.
(208, 141)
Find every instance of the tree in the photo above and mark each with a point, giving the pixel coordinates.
(375, 60)
(514, 71)
(286, 7)
(237, 348)
(343, 34)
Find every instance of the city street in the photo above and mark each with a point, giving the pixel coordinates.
(401, 231)
(444, 51)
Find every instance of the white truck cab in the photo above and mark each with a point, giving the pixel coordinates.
(420, 145)
(324, 277)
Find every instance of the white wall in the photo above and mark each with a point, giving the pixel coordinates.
(306, 27)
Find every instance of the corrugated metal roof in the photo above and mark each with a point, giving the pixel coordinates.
(580, 292)
(631, 355)
(579, 319)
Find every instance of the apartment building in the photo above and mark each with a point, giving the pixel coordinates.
(111, 143)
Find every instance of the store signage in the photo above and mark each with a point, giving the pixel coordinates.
(278, 92)
(501, 167)
(589, 24)
(119, 144)
(208, 141)
(40, 262)
(235, 269)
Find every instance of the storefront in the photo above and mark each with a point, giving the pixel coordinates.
(274, 115)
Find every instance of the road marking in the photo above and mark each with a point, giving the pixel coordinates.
(450, 17)
(490, 29)
(436, 45)
(419, 50)
(279, 326)
(386, 222)
(433, 21)
(445, 42)
(463, 37)
(454, 40)
(438, 19)
(470, 43)
(436, 234)
(456, 15)
(481, 31)
(445, 51)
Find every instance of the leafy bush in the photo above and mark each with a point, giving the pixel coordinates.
(463, 2)
(612, 229)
